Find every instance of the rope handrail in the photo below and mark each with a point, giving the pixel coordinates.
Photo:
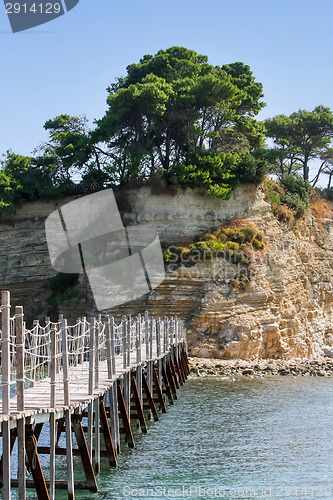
(65, 354)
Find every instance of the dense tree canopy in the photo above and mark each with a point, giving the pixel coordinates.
(175, 115)
(173, 105)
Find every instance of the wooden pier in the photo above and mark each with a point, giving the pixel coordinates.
(93, 381)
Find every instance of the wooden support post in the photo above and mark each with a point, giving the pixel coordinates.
(34, 464)
(60, 428)
(185, 363)
(124, 417)
(84, 453)
(91, 387)
(13, 436)
(5, 384)
(149, 398)
(20, 338)
(69, 455)
(38, 429)
(150, 362)
(97, 437)
(167, 386)
(179, 368)
(110, 451)
(116, 416)
(127, 391)
(68, 425)
(52, 413)
(170, 378)
(90, 428)
(138, 405)
(173, 373)
(112, 418)
(52, 455)
(158, 391)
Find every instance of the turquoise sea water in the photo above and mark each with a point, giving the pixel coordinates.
(251, 438)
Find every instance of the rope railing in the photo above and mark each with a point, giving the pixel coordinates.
(58, 356)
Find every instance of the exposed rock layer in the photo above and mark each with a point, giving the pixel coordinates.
(285, 311)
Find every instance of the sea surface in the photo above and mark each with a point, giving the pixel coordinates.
(248, 438)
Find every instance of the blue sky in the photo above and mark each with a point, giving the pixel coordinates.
(65, 66)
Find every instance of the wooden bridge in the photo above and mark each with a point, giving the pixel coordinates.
(92, 381)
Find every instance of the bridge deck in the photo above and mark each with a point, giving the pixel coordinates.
(37, 399)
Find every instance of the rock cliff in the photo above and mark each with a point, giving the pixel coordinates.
(285, 311)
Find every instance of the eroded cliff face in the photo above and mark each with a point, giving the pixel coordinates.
(284, 312)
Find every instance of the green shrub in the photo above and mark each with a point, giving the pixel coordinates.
(210, 236)
(273, 192)
(232, 245)
(247, 234)
(63, 288)
(204, 249)
(258, 245)
(296, 185)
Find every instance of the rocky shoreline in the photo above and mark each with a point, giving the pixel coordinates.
(202, 367)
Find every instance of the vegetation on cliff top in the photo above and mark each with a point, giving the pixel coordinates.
(175, 115)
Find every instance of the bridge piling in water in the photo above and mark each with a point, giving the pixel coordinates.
(92, 381)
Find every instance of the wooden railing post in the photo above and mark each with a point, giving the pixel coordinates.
(52, 405)
(158, 337)
(68, 423)
(172, 331)
(138, 356)
(151, 334)
(5, 382)
(129, 340)
(46, 353)
(138, 339)
(108, 345)
(20, 339)
(147, 334)
(19, 357)
(124, 340)
(65, 361)
(91, 358)
(34, 352)
(113, 350)
(96, 336)
(166, 335)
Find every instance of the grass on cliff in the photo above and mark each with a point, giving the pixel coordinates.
(234, 242)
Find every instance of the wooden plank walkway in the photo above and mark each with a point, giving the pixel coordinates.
(108, 374)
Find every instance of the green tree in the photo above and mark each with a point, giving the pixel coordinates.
(22, 179)
(299, 138)
(173, 105)
(69, 148)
